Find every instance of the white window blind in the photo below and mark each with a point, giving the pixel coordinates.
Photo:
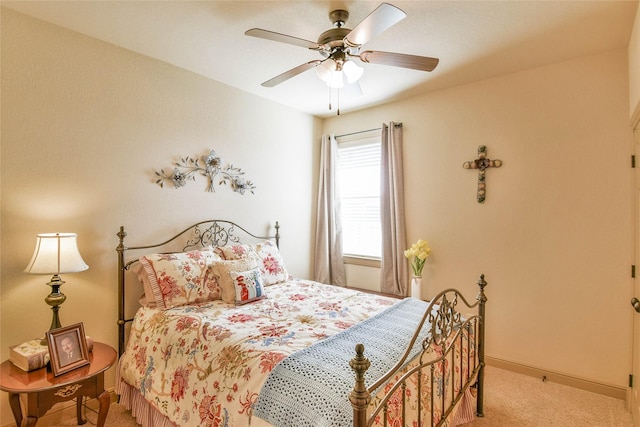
(359, 187)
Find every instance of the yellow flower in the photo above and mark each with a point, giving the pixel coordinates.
(419, 251)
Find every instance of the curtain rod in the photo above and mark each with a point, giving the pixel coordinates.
(356, 133)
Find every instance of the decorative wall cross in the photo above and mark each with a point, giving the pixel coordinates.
(482, 164)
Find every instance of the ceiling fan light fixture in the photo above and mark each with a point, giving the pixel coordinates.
(324, 69)
(352, 71)
(336, 81)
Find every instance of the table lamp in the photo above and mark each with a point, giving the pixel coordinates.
(56, 253)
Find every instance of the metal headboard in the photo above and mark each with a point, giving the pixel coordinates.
(212, 232)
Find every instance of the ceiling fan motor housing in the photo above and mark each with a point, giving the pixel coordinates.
(333, 37)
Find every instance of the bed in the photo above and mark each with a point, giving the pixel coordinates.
(224, 336)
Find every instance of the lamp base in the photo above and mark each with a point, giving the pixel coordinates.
(55, 300)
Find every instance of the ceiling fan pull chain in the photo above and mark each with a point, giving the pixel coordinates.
(338, 102)
(330, 99)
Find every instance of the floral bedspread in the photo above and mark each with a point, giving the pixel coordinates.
(204, 364)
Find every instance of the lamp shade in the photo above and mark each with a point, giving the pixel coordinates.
(56, 253)
(325, 68)
(352, 71)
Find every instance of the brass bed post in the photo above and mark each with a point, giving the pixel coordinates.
(121, 320)
(277, 236)
(482, 300)
(360, 396)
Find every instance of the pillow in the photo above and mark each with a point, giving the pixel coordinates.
(146, 299)
(270, 263)
(247, 286)
(179, 278)
(265, 254)
(220, 271)
(231, 252)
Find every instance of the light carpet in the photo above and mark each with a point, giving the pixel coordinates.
(511, 400)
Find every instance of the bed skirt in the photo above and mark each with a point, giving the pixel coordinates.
(144, 413)
(466, 410)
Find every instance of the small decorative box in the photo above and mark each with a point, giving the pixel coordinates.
(29, 355)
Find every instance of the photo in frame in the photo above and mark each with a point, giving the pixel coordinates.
(68, 348)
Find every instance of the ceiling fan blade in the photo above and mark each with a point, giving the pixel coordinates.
(422, 63)
(283, 38)
(382, 18)
(291, 73)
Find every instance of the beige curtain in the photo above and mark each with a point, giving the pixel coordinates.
(329, 264)
(394, 273)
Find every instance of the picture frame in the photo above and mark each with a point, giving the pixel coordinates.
(68, 348)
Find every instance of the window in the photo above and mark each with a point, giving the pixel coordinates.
(358, 176)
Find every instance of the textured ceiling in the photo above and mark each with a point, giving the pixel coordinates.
(474, 40)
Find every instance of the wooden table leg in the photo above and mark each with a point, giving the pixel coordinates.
(14, 402)
(105, 400)
(79, 411)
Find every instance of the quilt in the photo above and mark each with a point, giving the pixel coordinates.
(309, 388)
(205, 364)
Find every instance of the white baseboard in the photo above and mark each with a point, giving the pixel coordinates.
(556, 377)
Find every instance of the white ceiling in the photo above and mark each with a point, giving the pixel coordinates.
(474, 40)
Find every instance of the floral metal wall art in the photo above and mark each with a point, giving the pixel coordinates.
(210, 166)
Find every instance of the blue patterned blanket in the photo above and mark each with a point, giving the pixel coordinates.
(311, 387)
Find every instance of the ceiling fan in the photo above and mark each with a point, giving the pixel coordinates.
(340, 45)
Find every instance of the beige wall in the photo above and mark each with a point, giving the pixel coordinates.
(554, 236)
(634, 68)
(84, 125)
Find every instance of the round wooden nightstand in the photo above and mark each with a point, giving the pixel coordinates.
(43, 390)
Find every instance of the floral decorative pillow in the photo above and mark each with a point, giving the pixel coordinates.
(271, 263)
(221, 270)
(247, 286)
(180, 278)
(231, 252)
(265, 254)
